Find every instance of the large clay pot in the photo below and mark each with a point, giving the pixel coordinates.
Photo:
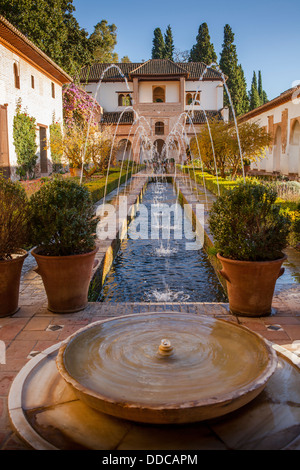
(10, 275)
(251, 284)
(66, 280)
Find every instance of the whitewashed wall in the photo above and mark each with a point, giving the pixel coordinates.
(274, 158)
(37, 102)
(107, 93)
(171, 91)
(211, 94)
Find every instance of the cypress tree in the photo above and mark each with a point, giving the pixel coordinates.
(262, 94)
(158, 49)
(243, 100)
(236, 82)
(260, 87)
(254, 97)
(169, 44)
(203, 50)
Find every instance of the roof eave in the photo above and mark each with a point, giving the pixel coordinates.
(11, 35)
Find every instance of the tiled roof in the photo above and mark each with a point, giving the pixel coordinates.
(159, 67)
(107, 72)
(284, 97)
(196, 70)
(116, 72)
(198, 117)
(115, 117)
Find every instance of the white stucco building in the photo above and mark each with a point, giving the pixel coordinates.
(158, 101)
(281, 119)
(28, 74)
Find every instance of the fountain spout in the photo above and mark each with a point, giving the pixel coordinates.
(165, 348)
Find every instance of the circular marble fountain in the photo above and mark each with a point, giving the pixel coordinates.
(166, 367)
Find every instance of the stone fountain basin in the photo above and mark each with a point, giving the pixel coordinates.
(213, 367)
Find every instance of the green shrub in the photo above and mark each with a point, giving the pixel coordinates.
(24, 138)
(62, 218)
(13, 218)
(247, 225)
(97, 186)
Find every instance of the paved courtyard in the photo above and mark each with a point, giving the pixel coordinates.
(34, 328)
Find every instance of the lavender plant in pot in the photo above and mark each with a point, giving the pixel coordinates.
(13, 238)
(63, 230)
(250, 233)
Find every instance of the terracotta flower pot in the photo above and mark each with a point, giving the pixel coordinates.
(66, 280)
(10, 275)
(251, 284)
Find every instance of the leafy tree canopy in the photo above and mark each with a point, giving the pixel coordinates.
(51, 26)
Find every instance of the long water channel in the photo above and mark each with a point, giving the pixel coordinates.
(155, 262)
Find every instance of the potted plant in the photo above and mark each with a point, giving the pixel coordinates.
(63, 231)
(250, 233)
(13, 237)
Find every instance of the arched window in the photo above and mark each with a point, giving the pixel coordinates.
(120, 100)
(192, 98)
(158, 95)
(189, 98)
(159, 128)
(295, 135)
(16, 75)
(124, 100)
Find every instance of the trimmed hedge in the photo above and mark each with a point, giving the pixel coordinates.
(212, 184)
(97, 186)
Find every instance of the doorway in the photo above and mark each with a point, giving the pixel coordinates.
(4, 152)
(43, 149)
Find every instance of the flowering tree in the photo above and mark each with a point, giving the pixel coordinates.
(79, 107)
(81, 141)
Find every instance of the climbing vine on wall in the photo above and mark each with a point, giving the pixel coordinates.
(24, 138)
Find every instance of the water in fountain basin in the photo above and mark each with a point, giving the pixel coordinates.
(161, 270)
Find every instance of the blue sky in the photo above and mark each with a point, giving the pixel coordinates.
(267, 32)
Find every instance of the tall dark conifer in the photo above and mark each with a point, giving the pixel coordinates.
(158, 49)
(203, 50)
(236, 82)
(254, 95)
(169, 44)
(262, 94)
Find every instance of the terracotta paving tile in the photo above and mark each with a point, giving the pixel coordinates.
(274, 336)
(293, 331)
(2, 405)
(37, 335)
(255, 324)
(41, 346)
(10, 330)
(14, 443)
(281, 320)
(6, 379)
(19, 349)
(37, 323)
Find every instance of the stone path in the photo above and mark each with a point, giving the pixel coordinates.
(34, 328)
